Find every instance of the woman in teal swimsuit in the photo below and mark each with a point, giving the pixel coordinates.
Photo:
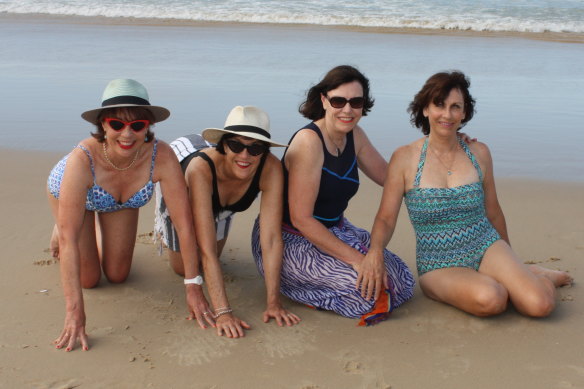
(95, 193)
(463, 253)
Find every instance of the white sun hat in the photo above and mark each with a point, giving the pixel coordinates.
(124, 92)
(246, 121)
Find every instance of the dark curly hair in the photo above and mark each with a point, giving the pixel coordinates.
(312, 107)
(436, 90)
(127, 114)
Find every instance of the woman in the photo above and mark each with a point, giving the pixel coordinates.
(222, 180)
(324, 254)
(95, 193)
(463, 252)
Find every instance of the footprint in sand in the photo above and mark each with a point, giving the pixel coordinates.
(351, 364)
(147, 238)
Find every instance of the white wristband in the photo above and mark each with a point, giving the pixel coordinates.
(198, 280)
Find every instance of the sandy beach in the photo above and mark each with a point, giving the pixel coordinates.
(140, 339)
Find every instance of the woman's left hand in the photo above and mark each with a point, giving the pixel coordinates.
(371, 276)
(281, 315)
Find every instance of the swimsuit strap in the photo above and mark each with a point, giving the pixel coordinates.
(90, 159)
(215, 197)
(421, 164)
(153, 158)
(471, 157)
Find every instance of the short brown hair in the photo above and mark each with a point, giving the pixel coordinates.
(312, 107)
(436, 90)
(123, 113)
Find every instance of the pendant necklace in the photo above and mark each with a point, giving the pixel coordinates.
(333, 142)
(113, 165)
(448, 168)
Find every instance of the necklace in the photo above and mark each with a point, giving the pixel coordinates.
(113, 165)
(332, 141)
(448, 168)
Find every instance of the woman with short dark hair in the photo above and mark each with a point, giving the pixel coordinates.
(463, 254)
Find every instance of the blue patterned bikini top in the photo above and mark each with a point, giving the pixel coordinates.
(100, 200)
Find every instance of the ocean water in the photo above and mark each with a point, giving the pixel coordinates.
(529, 92)
(478, 15)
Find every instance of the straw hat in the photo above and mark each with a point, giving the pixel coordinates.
(124, 92)
(247, 121)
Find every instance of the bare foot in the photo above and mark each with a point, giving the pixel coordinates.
(54, 243)
(557, 277)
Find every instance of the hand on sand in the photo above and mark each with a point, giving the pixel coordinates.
(199, 307)
(73, 330)
(280, 315)
(231, 326)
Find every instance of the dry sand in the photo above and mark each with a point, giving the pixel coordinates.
(140, 339)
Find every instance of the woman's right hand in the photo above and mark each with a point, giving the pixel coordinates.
(73, 329)
(371, 275)
(198, 306)
(231, 326)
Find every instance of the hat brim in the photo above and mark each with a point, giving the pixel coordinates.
(214, 135)
(160, 113)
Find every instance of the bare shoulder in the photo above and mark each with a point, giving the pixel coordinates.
(480, 150)
(306, 148)
(164, 152)
(408, 152)
(305, 138)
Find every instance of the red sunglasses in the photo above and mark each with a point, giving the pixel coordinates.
(135, 125)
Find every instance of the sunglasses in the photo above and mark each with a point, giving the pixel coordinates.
(340, 102)
(254, 149)
(135, 125)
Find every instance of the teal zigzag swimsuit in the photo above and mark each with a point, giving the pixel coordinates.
(452, 229)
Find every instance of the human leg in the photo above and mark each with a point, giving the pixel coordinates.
(90, 269)
(465, 289)
(531, 289)
(118, 238)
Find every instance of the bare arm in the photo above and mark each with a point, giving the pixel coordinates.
(271, 186)
(304, 160)
(76, 180)
(200, 183)
(492, 206)
(172, 183)
(370, 161)
(372, 271)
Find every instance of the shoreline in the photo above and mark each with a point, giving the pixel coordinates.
(548, 36)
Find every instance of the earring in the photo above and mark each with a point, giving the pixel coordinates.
(146, 138)
(105, 137)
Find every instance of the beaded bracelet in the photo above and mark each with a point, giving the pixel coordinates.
(222, 311)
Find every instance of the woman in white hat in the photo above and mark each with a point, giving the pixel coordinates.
(225, 169)
(324, 256)
(95, 193)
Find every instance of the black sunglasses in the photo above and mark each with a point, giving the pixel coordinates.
(254, 149)
(340, 102)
